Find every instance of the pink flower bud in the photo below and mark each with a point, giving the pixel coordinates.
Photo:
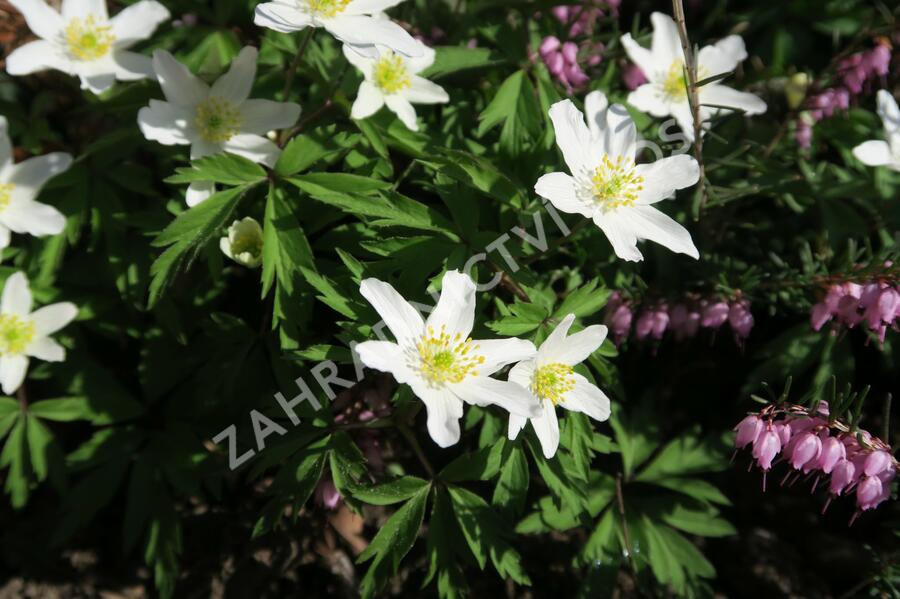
(833, 451)
(819, 316)
(549, 45)
(619, 321)
(766, 447)
(570, 52)
(842, 476)
(877, 462)
(555, 63)
(806, 448)
(868, 492)
(660, 318)
(784, 433)
(714, 314)
(561, 13)
(633, 77)
(327, 494)
(644, 325)
(848, 310)
(748, 430)
(740, 319)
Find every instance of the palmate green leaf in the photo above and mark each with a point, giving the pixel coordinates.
(523, 318)
(391, 492)
(227, 169)
(636, 442)
(305, 150)
(694, 487)
(293, 484)
(697, 520)
(285, 247)
(342, 182)
(477, 173)
(512, 484)
(483, 464)
(329, 294)
(483, 532)
(445, 545)
(387, 208)
(15, 457)
(687, 454)
(584, 301)
(393, 542)
(503, 105)
(188, 234)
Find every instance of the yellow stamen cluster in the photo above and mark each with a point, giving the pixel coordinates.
(615, 183)
(445, 358)
(6, 190)
(328, 8)
(675, 85)
(391, 75)
(248, 242)
(16, 333)
(87, 39)
(218, 120)
(552, 382)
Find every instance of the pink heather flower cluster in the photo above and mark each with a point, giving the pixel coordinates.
(854, 72)
(877, 304)
(562, 57)
(819, 448)
(683, 320)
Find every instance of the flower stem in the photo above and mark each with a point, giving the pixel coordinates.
(620, 500)
(292, 70)
(690, 65)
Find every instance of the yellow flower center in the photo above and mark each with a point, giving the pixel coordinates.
(391, 75)
(446, 359)
(87, 39)
(218, 120)
(675, 83)
(615, 183)
(248, 242)
(16, 333)
(552, 382)
(328, 8)
(6, 191)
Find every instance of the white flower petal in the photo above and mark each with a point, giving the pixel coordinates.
(33, 218)
(587, 399)
(166, 123)
(546, 427)
(199, 191)
(46, 349)
(360, 59)
(559, 188)
(49, 319)
(501, 352)
(485, 391)
(663, 177)
(179, 85)
(34, 172)
(649, 223)
(360, 30)
(36, 56)
(235, 85)
(417, 64)
(685, 118)
(522, 373)
(619, 133)
(455, 309)
(888, 111)
(5, 235)
(12, 372)
(369, 100)
(516, 424)
(572, 136)
(666, 44)
(281, 17)
(97, 83)
(423, 91)
(84, 8)
(403, 109)
(262, 116)
(41, 19)
(444, 411)
(131, 66)
(595, 105)
(368, 7)
(721, 95)
(138, 22)
(16, 298)
(641, 56)
(722, 57)
(200, 148)
(573, 349)
(651, 98)
(253, 147)
(620, 235)
(873, 153)
(401, 318)
(386, 356)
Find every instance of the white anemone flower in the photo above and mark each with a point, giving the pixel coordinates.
(391, 79)
(550, 378)
(355, 22)
(214, 118)
(607, 186)
(439, 361)
(82, 40)
(883, 153)
(20, 184)
(665, 93)
(25, 334)
(244, 242)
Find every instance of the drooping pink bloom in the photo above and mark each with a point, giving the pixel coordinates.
(748, 430)
(327, 494)
(644, 325)
(714, 314)
(877, 462)
(766, 447)
(806, 448)
(833, 451)
(842, 476)
(740, 319)
(633, 77)
(868, 492)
